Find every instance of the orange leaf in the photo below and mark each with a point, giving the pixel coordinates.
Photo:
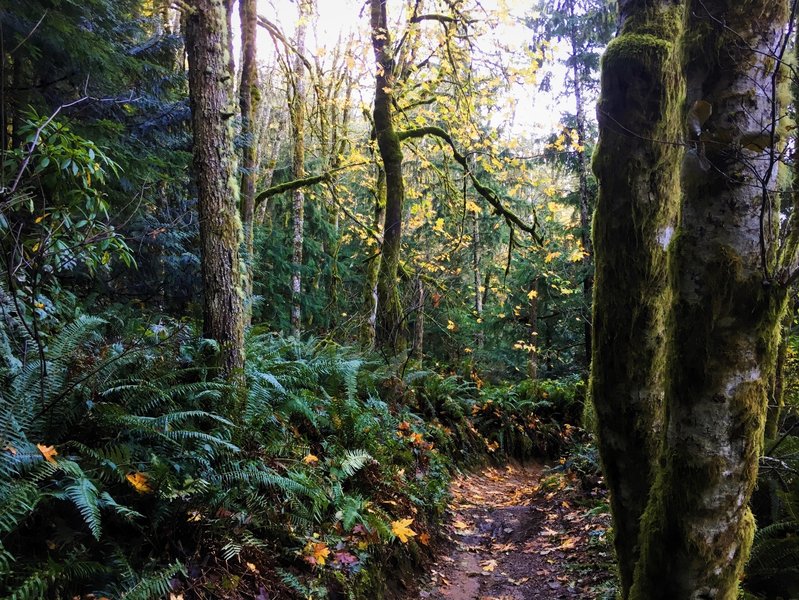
(139, 481)
(319, 552)
(48, 452)
(424, 539)
(310, 459)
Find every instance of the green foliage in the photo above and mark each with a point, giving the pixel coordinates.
(534, 418)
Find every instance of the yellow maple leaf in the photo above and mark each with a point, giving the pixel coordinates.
(320, 552)
(551, 256)
(402, 530)
(532, 294)
(310, 459)
(139, 481)
(451, 326)
(48, 452)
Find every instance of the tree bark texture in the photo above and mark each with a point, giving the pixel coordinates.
(698, 528)
(390, 334)
(686, 336)
(218, 190)
(636, 217)
(249, 98)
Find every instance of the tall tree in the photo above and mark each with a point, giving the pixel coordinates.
(249, 99)
(212, 108)
(389, 327)
(635, 219)
(686, 335)
(297, 109)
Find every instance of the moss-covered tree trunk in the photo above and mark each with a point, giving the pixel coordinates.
(390, 328)
(776, 392)
(637, 163)
(373, 265)
(698, 530)
(210, 85)
(249, 97)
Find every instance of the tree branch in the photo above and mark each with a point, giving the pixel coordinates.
(275, 32)
(491, 196)
(301, 183)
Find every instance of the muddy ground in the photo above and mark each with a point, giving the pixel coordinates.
(523, 533)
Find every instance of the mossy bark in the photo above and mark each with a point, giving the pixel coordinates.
(390, 328)
(373, 264)
(776, 393)
(697, 530)
(637, 163)
(249, 97)
(210, 78)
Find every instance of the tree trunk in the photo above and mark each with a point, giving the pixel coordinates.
(390, 334)
(418, 326)
(478, 280)
(532, 364)
(698, 529)
(214, 163)
(638, 171)
(585, 196)
(776, 396)
(249, 97)
(298, 168)
(373, 266)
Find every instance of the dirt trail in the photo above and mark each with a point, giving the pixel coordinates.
(517, 534)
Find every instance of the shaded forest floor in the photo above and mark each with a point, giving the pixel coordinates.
(521, 532)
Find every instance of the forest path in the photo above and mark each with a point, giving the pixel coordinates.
(518, 535)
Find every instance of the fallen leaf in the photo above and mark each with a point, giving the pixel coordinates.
(402, 530)
(139, 481)
(310, 459)
(424, 539)
(48, 452)
(489, 565)
(460, 525)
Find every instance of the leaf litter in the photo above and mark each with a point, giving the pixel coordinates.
(520, 532)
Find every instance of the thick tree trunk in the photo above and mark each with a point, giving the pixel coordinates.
(214, 163)
(638, 164)
(390, 328)
(249, 97)
(698, 529)
(298, 168)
